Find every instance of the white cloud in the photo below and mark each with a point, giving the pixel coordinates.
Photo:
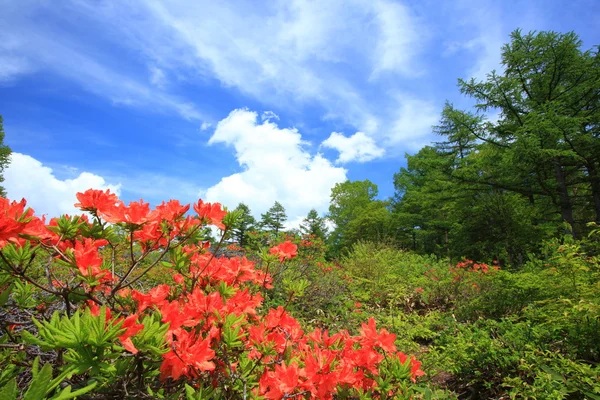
(412, 124)
(28, 178)
(331, 56)
(486, 50)
(205, 125)
(284, 53)
(13, 66)
(268, 115)
(400, 35)
(347, 59)
(276, 167)
(358, 147)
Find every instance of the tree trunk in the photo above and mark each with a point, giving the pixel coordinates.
(595, 186)
(566, 208)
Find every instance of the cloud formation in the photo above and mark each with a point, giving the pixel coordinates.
(411, 125)
(358, 147)
(28, 178)
(329, 55)
(276, 166)
(27, 46)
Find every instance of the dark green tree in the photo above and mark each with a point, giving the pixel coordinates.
(4, 157)
(436, 213)
(546, 141)
(424, 201)
(314, 225)
(244, 224)
(273, 220)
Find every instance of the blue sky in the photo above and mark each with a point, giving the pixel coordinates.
(240, 101)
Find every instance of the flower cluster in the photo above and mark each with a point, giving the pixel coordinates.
(472, 266)
(470, 271)
(213, 331)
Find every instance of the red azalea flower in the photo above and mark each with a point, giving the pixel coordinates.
(286, 250)
(97, 200)
(211, 212)
(132, 327)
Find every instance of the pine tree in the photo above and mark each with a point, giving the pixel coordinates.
(314, 225)
(274, 218)
(244, 224)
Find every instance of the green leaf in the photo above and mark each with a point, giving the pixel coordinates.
(67, 373)
(67, 394)
(428, 395)
(555, 375)
(189, 392)
(9, 391)
(4, 295)
(39, 385)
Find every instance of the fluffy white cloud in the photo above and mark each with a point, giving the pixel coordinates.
(358, 147)
(28, 178)
(276, 167)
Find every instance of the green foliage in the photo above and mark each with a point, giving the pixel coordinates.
(313, 289)
(497, 356)
(88, 338)
(548, 111)
(528, 333)
(23, 294)
(357, 215)
(150, 340)
(43, 386)
(497, 189)
(388, 276)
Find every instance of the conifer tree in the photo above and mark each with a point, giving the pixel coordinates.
(314, 225)
(245, 224)
(274, 218)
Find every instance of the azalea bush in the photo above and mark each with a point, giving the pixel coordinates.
(318, 287)
(129, 301)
